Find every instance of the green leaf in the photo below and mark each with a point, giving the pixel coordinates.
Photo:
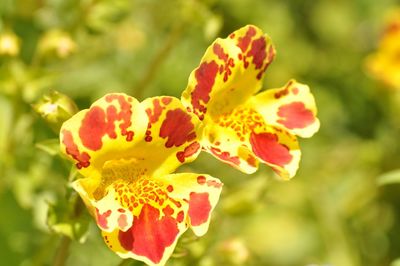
(388, 178)
(51, 146)
(69, 218)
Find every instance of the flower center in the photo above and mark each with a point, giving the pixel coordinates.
(133, 185)
(242, 120)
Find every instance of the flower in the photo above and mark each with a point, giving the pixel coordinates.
(384, 64)
(9, 44)
(55, 108)
(126, 151)
(242, 129)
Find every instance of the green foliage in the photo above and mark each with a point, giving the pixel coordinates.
(338, 210)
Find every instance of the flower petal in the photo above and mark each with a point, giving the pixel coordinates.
(200, 192)
(278, 149)
(241, 138)
(291, 107)
(172, 135)
(144, 219)
(109, 129)
(226, 143)
(138, 219)
(158, 134)
(230, 71)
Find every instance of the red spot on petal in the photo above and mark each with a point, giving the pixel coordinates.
(258, 52)
(219, 51)
(155, 112)
(295, 115)
(166, 100)
(178, 128)
(267, 147)
(122, 221)
(205, 75)
(180, 217)
(201, 180)
(199, 208)
(102, 218)
(295, 91)
(149, 235)
(284, 91)
(168, 210)
(252, 161)
(243, 42)
(214, 183)
(72, 149)
(170, 188)
(98, 123)
(225, 156)
(93, 128)
(189, 151)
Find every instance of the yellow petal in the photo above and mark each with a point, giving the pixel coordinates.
(157, 135)
(291, 107)
(278, 149)
(139, 218)
(108, 130)
(230, 71)
(172, 135)
(143, 218)
(200, 192)
(242, 138)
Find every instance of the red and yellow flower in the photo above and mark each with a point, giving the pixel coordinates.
(241, 127)
(126, 152)
(384, 64)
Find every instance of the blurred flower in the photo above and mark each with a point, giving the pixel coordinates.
(126, 151)
(129, 38)
(235, 251)
(384, 64)
(9, 44)
(57, 42)
(55, 108)
(242, 129)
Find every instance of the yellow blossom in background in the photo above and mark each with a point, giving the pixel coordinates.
(9, 44)
(384, 64)
(57, 42)
(242, 127)
(126, 152)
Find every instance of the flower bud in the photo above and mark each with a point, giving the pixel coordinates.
(55, 108)
(9, 44)
(58, 43)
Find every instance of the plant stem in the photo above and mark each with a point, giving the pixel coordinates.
(62, 251)
(158, 59)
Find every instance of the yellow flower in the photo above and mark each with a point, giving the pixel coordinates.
(384, 64)
(126, 151)
(241, 128)
(9, 44)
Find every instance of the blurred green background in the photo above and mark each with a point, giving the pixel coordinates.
(339, 210)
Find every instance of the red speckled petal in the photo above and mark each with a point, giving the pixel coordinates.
(230, 71)
(291, 107)
(143, 219)
(277, 148)
(138, 216)
(110, 128)
(242, 138)
(172, 135)
(200, 193)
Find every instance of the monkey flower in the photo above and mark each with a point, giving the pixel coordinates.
(126, 152)
(243, 128)
(384, 64)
